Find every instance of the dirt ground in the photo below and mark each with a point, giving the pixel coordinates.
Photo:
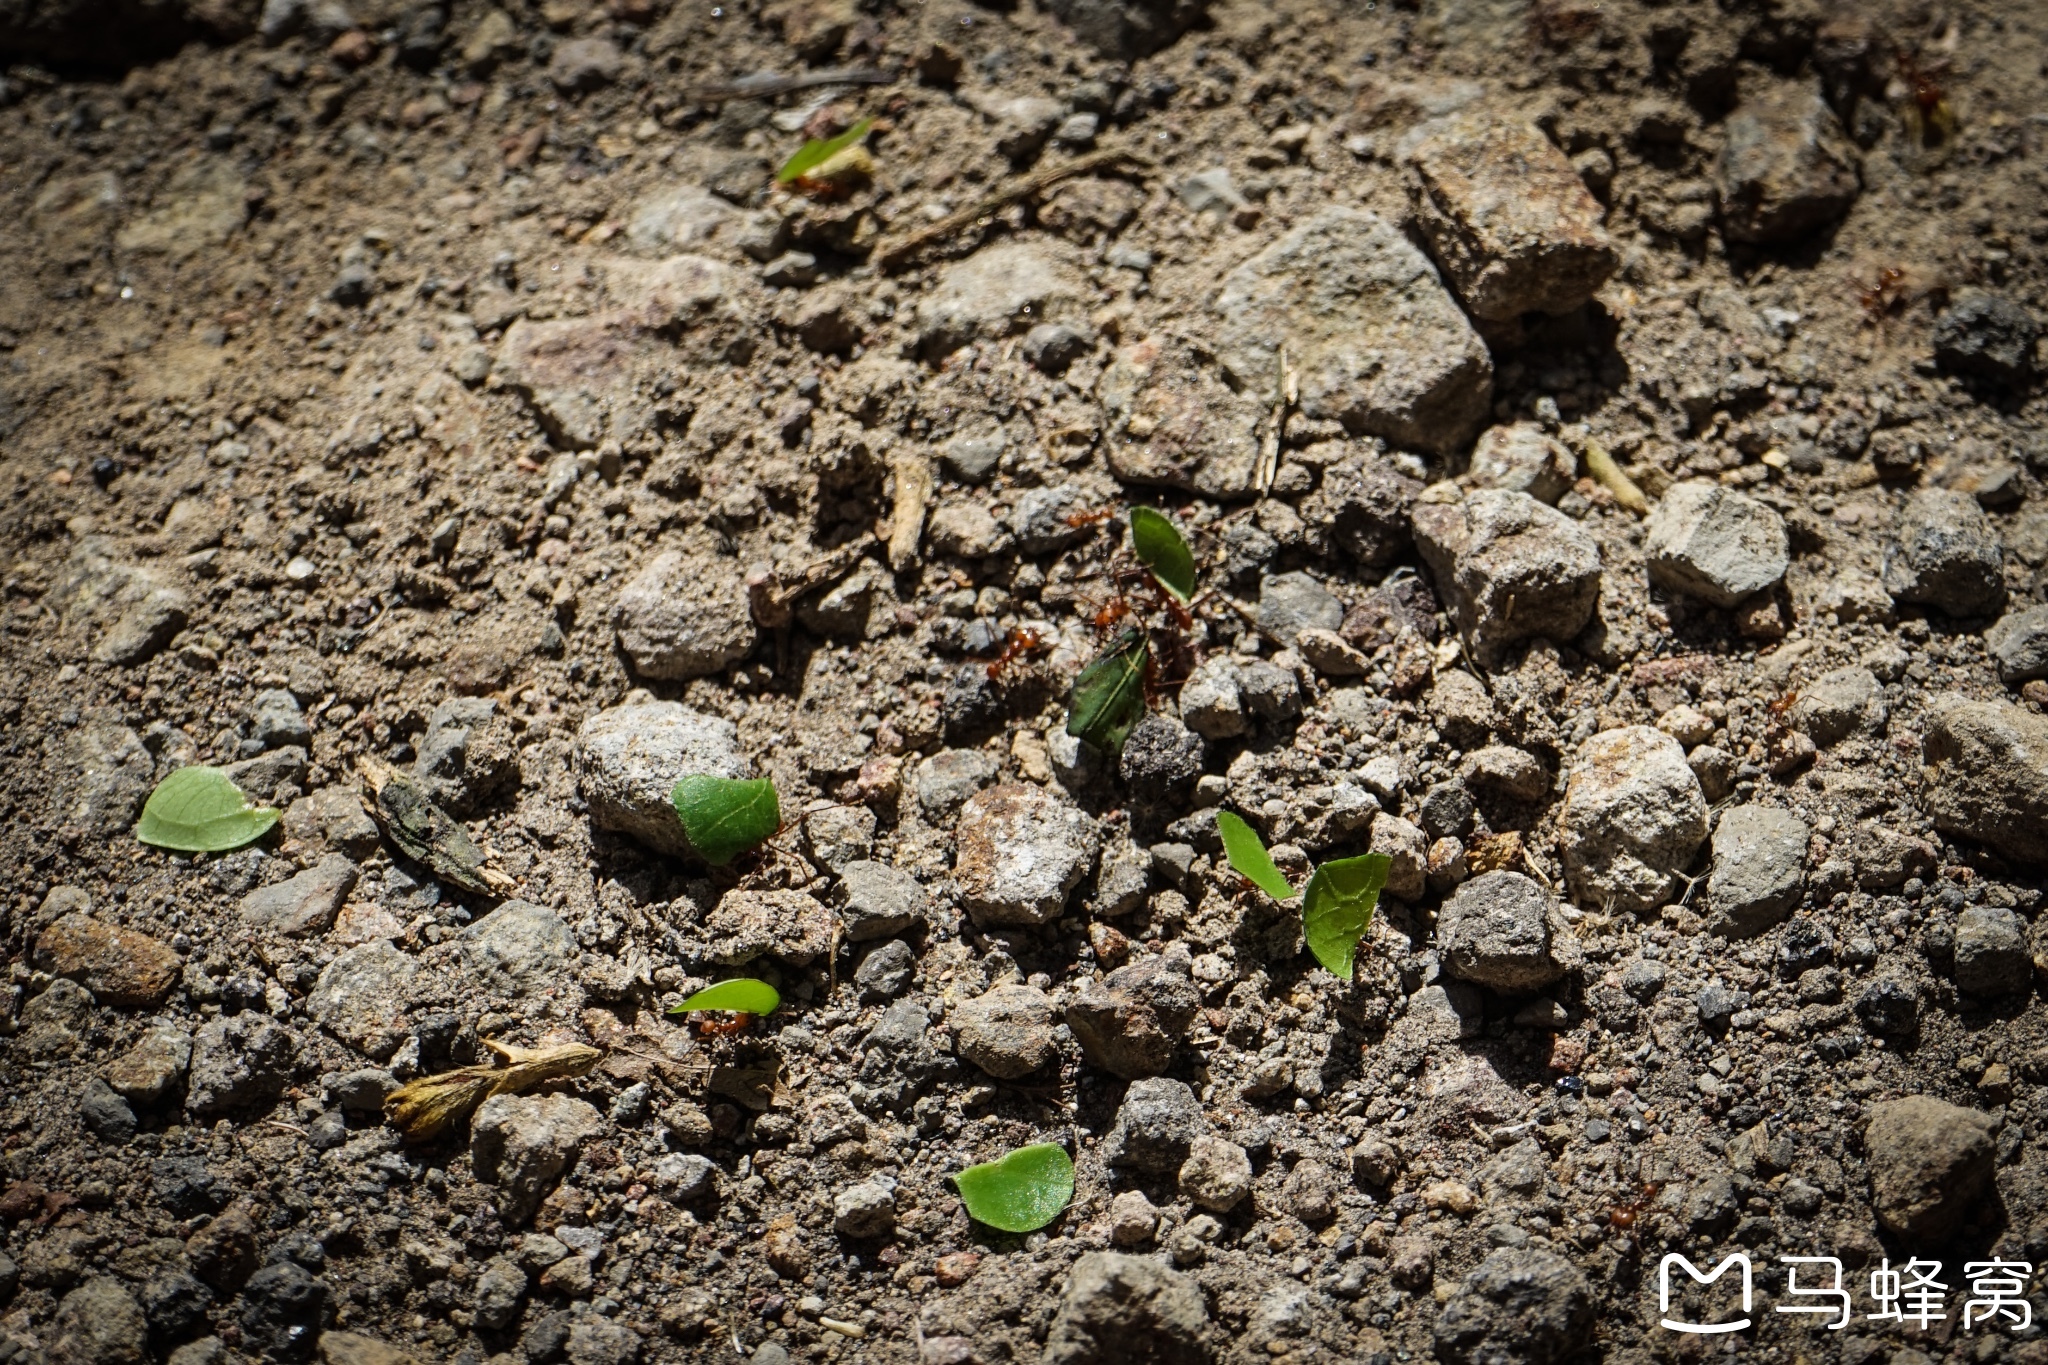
(457, 388)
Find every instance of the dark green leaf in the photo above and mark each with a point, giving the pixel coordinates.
(724, 816)
(820, 150)
(199, 810)
(742, 994)
(1021, 1192)
(1248, 855)
(1161, 548)
(1108, 696)
(1337, 908)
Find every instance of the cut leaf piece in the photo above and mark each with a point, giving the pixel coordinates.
(725, 816)
(1161, 548)
(743, 995)
(1021, 1192)
(1108, 696)
(818, 151)
(200, 810)
(1248, 855)
(1337, 907)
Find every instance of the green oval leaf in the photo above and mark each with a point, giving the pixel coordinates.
(1248, 855)
(1021, 1192)
(1161, 548)
(724, 816)
(1337, 907)
(199, 810)
(1108, 696)
(818, 151)
(743, 995)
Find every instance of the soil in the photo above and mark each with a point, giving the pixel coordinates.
(355, 368)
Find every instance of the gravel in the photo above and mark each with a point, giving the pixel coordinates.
(1633, 816)
(1494, 548)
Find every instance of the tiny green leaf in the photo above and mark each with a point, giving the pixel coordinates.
(820, 150)
(1161, 548)
(1337, 908)
(199, 810)
(724, 816)
(1108, 696)
(1022, 1191)
(743, 995)
(1248, 855)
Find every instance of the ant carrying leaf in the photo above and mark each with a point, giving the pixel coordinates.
(744, 996)
(723, 817)
(1108, 696)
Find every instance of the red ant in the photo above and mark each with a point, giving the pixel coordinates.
(1929, 118)
(1623, 1217)
(1079, 519)
(1022, 641)
(723, 1028)
(1879, 298)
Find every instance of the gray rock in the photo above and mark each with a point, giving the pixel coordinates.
(1128, 29)
(1272, 692)
(1023, 123)
(141, 631)
(864, 1210)
(1632, 818)
(305, 904)
(1156, 1127)
(517, 950)
(1378, 342)
(238, 1062)
(1946, 555)
(1758, 870)
(1461, 708)
(261, 776)
(1839, 703)
(580, 65)
(1290, 603)
(681, 618)
(1217, 1174)
(1509, 567)
(1053, 346)
(1889, 1006)
(1991, 955)
(275, 720)
(685, 1176)
(99, 1323)
(839, 835)
(1039, 518)
(1129, 1022)
(499, 1291)
(1786, 168)
(106, 775)
(1212, 191)
(1506, 771)
(1987, 771)
(154, 1066)
(944, 781)
(790, 925)
(1161, 757)
(343, 822)
(1988, 336)
(1522, 458)
(1019, 852)
(1519, 1306)
(1123, 877)
(881, 901)
(1006, 1032)
(361, 997)
(885, 973)
(467, 758)
(1174, 422)
(1212, 699)
(1502, 930)
(629, 758)
(992, 292)
(2018, 641)
(973, 458)
(1119, 1309)
(1715, 544)
(600, 1341)
(105, 1114)
(524, 1143)
(1930, 1162)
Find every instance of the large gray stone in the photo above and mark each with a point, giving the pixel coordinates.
(1715, 544)
(524, 1143)
(1991, 956)
(880, 901)
(683, 616)
(305, 904)
(1509, 567)
(1523, 458)
(519, 949)
(1129, 1022)
(99, 1323)
(1019, 852)
(1945, 554)
(361, 997)
(1786, 168)
(1502, 930)
(239, 1061)
(1007, 1032)
(1519, 1306)
(1128, 1310)
(1758, 871)
(1156, 1127)
(1001, 288)
(2018, 641)
(1987, 775)
(1930, 1162)
(467, 757)
(629, 758)
(1633, 816)
(1377, 342)
(1839, 703)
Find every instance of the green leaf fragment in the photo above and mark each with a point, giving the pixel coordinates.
(818, 151)
(1022, 1191)
(724, 816)
(201, 810)
(1161, 548)
(1108, 696)
(1248, 855)
(743, 995)
(1337, 907)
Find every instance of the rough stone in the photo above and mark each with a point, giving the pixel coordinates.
(1506, 771)
(467, 758)
(1290, 603)
(305, 904)
(629, 758)
(997, 290)
(121, 967)
(154, 1066)
(519, 949)
(1212, 699)
(1128, 29)
(1786, 168)
(580, 65)
(1759, 868)
(1155, 1127)
(1509, 567)
(2018, 642)
(1987, 775)
(1632, 818)
(239, 1061)
(1988, 336)
(1217, 1174)
(1508, 219)
(524, 1143)
(679, 619)
(1378, 342)
(886, 972)
(1129, 1022)
(362, 995)
(1006, 1032)
(881, 901)
(790, 925)
(1991, 955)
(1020, 852)
(946, 780)
(283, 1306)
(1119, 1309)
(100, 1323)
(1172, 421)
(105, 1114)
(1523, 458)
(1945, 554)
(1502, 930)
(1519, 1306)
(1408, 848)
(275, 720)
(1715, 544)
(1839, 703)
(1161, 757)
(1930, 1162)
(864, 1210)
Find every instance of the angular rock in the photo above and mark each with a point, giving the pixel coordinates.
(1129, 1022)
(467, 758)
(886, 972)
(2018, 642)
(1156, 1127)
(238, 1062)
(283, 1306)
(1758, 871)
(1945, 554)
(1020, 851)
(1523, 458)
(1519, 1304)
(1376, 340)
(1632, 818)
(1988, 336)
(1502, 930)
(1715, 544)
(1786, 168)
(305, 904)
(946, 780)
(275, 720)
(1362, 509)
(864, 1210)
(1290, 603)
(361, 997)
(1217, 1174)
(1173, 422)
(524, 1143)
(1007, 1032)
(1991, 955)
(1212, 699)
(105, 1115)
(629, 758)
(100, 1323)
(519, 949)
(120, 967)
(1506, 771)
(580, 65)
(1838, 703)
(1161, 758)
(1508, 219)
(152, 1068)
(1128, 29)
(997, 290)
(1509, 567)
(1987, 775)
(881, 901)
(1408, 848)
(681, 617)
(1120, 1309)
(1930, 1162)
(790, 925)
